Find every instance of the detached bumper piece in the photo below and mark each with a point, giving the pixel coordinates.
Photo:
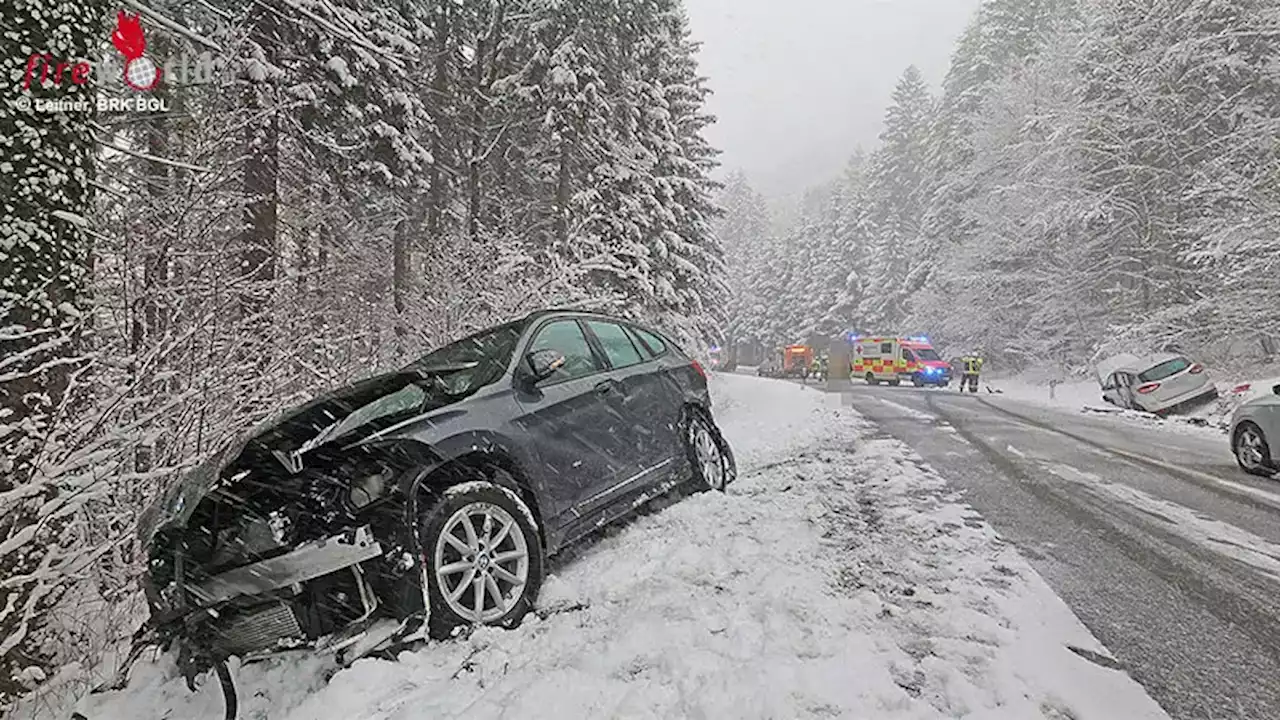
(308, 562)
(289, 600)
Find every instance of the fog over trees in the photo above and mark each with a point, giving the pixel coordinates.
(1092, 175)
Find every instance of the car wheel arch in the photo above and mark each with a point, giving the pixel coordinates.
(491, 465)
(687, 410)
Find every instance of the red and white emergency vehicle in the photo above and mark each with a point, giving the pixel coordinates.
(895, 360)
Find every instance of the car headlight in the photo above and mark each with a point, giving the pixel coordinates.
(369, 489)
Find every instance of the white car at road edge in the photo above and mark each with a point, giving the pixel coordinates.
(1255, 433)
(1158, 384)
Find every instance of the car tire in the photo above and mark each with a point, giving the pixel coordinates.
(895, 383)
(871, 379)
(506, 572)
(917, 380)
(1249, 437)
(711, 462)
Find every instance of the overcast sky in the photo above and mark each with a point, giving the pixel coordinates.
(800, 83)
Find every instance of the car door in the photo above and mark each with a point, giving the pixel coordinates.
(1124, 390)
(1110, 389)
(642, 401)
(569, 424)
(1269, 420)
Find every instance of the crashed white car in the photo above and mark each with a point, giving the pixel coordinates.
(1255, 432)
(1159, 384)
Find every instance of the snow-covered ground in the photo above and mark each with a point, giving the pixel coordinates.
(839, 577)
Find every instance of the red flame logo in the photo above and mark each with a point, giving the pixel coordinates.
(140, 73)
(128, 37)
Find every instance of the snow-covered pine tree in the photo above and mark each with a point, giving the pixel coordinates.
(853, 233)
(1182, 98)
(687, 255)
(1019, 283)
(743, 231)
(898, 186)
(46, 172)
(1002, 35)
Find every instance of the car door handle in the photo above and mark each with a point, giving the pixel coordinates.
(607, 387)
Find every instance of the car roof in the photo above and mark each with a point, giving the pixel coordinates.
(1115, 363)
(581, 312)
(572, 311)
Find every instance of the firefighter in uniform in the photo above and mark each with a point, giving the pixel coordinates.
(971, 368)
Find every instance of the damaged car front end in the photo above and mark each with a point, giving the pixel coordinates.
(304, 532)
(282, 542)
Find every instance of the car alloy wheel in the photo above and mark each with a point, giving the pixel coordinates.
(485, 560)
(711, 468)
(481, 562)
(1251, 450)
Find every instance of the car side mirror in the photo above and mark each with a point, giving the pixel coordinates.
(544, 363)
(1276, 390)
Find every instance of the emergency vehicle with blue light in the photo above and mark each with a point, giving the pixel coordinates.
(895, 360)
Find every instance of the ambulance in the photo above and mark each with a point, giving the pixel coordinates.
(895, 360)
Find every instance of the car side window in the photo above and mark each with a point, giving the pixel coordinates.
(886, 348)
(617, 345)
(908, 356)
(566, 338)
(652, 342)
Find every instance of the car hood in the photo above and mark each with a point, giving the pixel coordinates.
(287, 437)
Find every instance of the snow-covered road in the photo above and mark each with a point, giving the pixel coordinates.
(1157, 541)
(839, 577)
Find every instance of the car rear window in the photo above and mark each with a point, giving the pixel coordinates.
(617, 344)
(1165, 369)
(652, 343)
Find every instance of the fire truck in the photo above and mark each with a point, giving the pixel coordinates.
(895, 360)
(796, 361)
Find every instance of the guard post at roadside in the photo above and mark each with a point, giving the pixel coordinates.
(838, 358)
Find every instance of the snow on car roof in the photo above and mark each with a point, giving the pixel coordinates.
(1124, 361)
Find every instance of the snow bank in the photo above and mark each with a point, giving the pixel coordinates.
(1085, 395)
(838, 578)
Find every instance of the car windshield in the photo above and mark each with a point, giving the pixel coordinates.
(927, 354)
(404, 402)
(442, 376)
(1165, 369)
(474, 361)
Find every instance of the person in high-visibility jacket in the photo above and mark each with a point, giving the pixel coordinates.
(970, 368)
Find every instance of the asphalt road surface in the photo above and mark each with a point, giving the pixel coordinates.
(1162, 547)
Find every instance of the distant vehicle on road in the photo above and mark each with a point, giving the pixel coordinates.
(796, 361)
(899, 359)
(1255, 433)
(1161, 384)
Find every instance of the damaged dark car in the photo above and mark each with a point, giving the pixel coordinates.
(416, 502)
